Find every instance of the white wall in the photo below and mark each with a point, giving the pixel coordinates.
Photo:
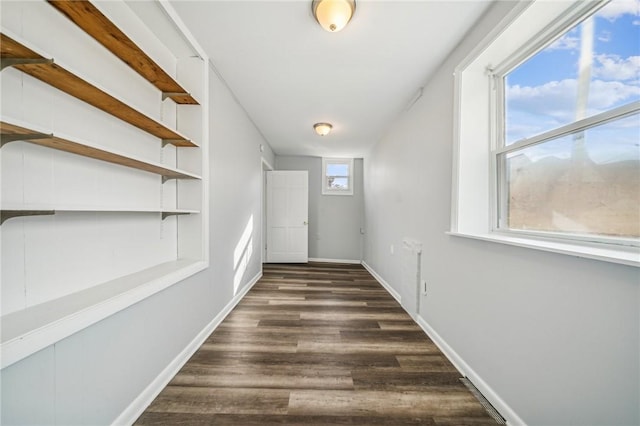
(236, 193)
(334, 220)
(557, 338)
(94, 375)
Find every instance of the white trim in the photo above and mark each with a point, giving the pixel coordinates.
(263, 209)
(265, 162)
(620, 112)
(321, 259)
(385, 284)
(492, 36)
(498, 403)
(204, 144)
(479, 49)
(492, 396)
(620, 254)
(551, 32)
(146, 397)
(183, 28)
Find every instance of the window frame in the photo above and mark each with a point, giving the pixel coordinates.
(326, 190)
(499, 171)
(475, 189)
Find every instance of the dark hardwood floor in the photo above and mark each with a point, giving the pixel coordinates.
(317, 344)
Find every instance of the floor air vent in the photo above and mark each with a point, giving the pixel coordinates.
(483, 401)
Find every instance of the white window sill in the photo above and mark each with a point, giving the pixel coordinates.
(337, 193)
(607, 253)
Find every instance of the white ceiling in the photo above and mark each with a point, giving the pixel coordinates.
(288, 73)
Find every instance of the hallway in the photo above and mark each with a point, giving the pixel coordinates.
(317, 344)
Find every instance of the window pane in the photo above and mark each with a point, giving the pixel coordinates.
(337, 169)
(592, 68)
(338, 182)
(586, 183)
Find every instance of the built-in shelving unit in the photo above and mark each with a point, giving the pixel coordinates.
(93, 22)
(127, 250)
(13, 132)
(19, 56)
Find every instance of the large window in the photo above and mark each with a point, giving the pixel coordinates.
(337, 176)
(547, 151)
(568, 157)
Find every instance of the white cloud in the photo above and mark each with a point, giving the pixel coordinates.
(605, 94)
(617, 8)
(613, 67)
(566, 42)
(557, 99)
(604, 36)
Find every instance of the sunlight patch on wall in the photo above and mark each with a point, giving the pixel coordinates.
(242, 255)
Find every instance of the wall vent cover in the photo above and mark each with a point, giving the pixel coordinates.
(483, 401)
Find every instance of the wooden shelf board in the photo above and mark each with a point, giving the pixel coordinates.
(62, 144)
(93, 22)
(29, 330)
(60, 78)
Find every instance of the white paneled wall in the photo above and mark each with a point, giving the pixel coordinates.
(120, 230)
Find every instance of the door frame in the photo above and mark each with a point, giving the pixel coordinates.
(265, 166)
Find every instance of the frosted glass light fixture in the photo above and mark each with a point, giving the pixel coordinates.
(333, 15)
(322, 129)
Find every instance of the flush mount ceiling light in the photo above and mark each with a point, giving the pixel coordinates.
(333, 15)
(322, 129)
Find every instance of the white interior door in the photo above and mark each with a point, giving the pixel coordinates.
(287, 216)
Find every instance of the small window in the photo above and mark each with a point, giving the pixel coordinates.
(337, 176)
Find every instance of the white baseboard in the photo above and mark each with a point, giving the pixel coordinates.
(319, 259)
(138, 405)
(385, 284)
(498, 403)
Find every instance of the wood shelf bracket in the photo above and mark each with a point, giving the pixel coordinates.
(8, 214)
(10, 62)
(167, 214)
(166, 95)
(176, 142)
(13, 137)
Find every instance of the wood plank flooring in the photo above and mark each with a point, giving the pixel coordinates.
(317, 344)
